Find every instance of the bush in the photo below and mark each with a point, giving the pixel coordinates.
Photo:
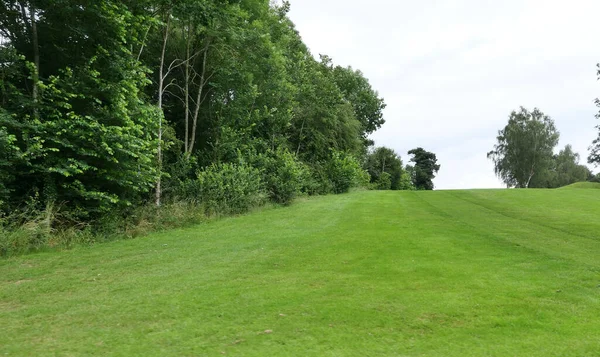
(226, 188)
(344, 172)
(405, 182)
(9, 155)
(384, 181)
(283, 176)
(316, 180)
(177, 173)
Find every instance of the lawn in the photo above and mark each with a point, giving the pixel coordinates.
(443, 273)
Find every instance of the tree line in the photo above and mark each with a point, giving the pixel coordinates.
(524, 154)
(109, 105)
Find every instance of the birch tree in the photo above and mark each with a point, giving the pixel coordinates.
(524, 147)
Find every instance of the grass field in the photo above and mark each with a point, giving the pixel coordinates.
(583, 185)
(444, 273)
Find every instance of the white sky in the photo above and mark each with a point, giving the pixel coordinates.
(452, 71)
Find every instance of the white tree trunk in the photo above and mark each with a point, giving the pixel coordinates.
(161, 90)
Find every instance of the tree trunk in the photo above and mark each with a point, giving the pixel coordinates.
(529, 179)
(198, 100)
(300, 138)
(161, 81)
(36, 57)
(187, 89)
(31, 21)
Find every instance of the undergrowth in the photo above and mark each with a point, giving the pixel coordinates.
(29, 231)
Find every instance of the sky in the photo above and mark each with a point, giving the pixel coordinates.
(452, 71)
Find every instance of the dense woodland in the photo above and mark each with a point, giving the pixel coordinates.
(105, 102)
(108, 106)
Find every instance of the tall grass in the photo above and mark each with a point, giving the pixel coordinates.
(29, 231)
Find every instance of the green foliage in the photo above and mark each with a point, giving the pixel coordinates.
(384, 160)
(315, 180)
(564, 170)
(424, 170)
(406, 181)
(367, 105)
(283, 175)
(226, 188)
(88, 137)
(594, 178)
(323, 119)
(93, 90)
(344, 172)
(383, 181)
(9, 154)
(524, 148)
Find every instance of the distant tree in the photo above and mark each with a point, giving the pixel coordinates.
(384, 160)
(406, 181)
(425, 168)
(594, 157)
(525, 147)
(409, 172)
(568, 169)
(564, 170)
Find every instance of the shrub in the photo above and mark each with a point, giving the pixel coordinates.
(405, 182)
(226, 188)
(283, 176)
(316, 180)
(181, 170)
(9, 154)
(344, 172)
(384, 181)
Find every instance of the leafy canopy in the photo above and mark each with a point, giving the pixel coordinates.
(524, 147)
(425, 168)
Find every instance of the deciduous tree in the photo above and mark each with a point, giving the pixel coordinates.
(524, 147)
(384, 160)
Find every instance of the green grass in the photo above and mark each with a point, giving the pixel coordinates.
(584, 185)
(444, 273)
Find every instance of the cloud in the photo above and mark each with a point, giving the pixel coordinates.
(451, 72)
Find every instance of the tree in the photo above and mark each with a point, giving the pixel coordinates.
(75, 104)
(425, 168)
(594, 157)
(368, 106)
(406, 181)
(565, 170)
(384, 160)
(9, 154)
(524, 148)
(107, 104)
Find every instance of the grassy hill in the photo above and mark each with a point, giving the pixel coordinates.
(444, 273)
(584, 185)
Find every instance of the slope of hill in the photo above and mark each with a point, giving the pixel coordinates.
(444, 273)
(584, 185)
